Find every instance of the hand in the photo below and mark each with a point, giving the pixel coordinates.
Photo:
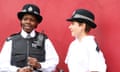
(33, 62)
(25, 69)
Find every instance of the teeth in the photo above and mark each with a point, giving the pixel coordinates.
(27, 27)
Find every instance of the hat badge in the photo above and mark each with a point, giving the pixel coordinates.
(30, 8)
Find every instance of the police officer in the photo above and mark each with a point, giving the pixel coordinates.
(83, 53)
(28, 50)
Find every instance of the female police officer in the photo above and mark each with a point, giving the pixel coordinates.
(28, 50)
(84, 54)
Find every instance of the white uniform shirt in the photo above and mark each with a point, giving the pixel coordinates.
(48, 66)
(83, 57)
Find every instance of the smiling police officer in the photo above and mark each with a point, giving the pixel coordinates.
(28, 50)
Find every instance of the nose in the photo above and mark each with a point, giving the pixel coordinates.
(69, 26)
(28, 21)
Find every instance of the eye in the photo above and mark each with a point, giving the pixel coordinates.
(25, 18)
(72, 23)
(33, 20)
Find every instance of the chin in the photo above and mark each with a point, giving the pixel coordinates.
(73, 35)
(28, 31)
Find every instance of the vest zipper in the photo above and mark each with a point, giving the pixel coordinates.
(28, 50)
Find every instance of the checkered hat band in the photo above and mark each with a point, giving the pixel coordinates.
(83, 17)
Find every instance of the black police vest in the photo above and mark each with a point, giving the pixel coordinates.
(23, 48)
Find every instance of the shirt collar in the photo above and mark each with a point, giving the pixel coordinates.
(86, 38)
(24, 34)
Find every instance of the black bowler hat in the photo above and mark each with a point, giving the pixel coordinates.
(83, 15)
(30, 9)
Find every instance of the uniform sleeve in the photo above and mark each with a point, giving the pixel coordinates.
(96, 59)
(51, 57)
(5, 56)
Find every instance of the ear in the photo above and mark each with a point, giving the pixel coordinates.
(36, 25)
(83, 25)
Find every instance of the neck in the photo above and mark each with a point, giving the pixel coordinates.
(81, 36)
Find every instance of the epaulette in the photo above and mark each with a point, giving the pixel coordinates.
(45, 36)
(12, 36)
(42, 33)
(97, 49)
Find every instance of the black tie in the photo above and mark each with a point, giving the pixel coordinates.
(28, 36)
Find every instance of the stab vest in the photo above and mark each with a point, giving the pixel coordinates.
(23, 48)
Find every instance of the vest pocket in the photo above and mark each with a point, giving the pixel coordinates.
(20, 60)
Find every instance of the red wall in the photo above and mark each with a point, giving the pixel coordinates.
(55, 26)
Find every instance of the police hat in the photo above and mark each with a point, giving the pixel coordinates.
(84, 16)
(30, 9)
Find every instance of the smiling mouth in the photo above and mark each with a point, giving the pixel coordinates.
(27, 26)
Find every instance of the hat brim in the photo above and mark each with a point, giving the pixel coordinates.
(92, 24)
(21, 14)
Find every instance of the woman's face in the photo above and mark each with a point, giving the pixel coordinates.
(29, 22)
(76, 28)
